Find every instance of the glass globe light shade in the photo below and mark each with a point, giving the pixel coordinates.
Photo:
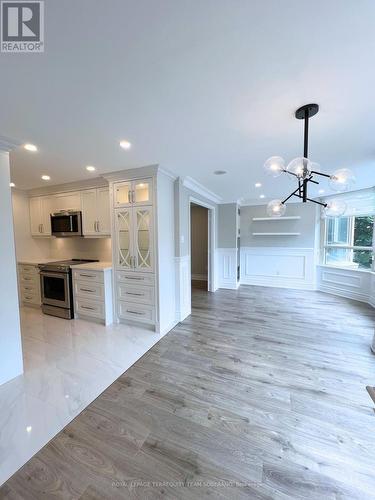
(335, 208)
(274, 166)
(299, 167)
(342, 179)
(276, 208)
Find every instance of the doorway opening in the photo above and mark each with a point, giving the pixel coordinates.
(199, 246)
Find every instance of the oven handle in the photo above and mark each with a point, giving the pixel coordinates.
(61, 274)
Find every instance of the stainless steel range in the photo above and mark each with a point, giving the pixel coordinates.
(56, 287)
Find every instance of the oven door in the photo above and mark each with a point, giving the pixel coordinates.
(55, 289)
(66, 224)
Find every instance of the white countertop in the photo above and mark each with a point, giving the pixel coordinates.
(94, 266)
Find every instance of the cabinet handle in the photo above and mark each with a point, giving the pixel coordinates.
(87, 275)
(136, 294)
(42, 228)
(133, 196)
(135, 312)
(28, 298)
(129, 196)
(98, 226)
(134, 278)
(27, 279)
(87, 290)
(89, 308)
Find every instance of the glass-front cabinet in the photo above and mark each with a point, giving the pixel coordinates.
(133, 193)
(134, 228)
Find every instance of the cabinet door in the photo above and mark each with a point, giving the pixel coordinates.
(35, 216)
(124, 238)
(143, 239)
(46, 209)
(89, 211)
(103, 211)
(67, 201)
(142, 192)
(123, 194)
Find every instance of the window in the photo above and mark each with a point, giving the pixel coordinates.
(349, 241)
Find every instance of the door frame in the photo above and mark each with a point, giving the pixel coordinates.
(211, 284)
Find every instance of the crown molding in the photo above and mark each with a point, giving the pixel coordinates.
(193, 185)
(95, 182)
(131, 173)
(8, 144)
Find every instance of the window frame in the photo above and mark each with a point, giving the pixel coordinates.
(326, 246)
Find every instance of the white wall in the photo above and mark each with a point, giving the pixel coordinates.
(199, 242)
(11, 363)
(81, 248)
(280, 261)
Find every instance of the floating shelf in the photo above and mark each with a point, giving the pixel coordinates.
(291, 217)
(276, 234)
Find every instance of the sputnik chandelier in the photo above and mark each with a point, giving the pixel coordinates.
(304, 171)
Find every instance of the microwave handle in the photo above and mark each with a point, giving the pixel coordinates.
(71, 222)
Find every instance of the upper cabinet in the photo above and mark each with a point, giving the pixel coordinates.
(96, 212)
(94, 204)
(133, 193)
(40, 215)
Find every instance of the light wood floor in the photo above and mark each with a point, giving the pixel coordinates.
(260, 393)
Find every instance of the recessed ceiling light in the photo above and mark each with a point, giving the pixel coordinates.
(258, 184)
(90, 168)
(321, 191)
(12, 185)
(29, 428)
(30, 147)
(125, 144)
(262, 196)
(220, 172)
(46, 177)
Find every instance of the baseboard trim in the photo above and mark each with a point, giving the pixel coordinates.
(361, 297)
(293, 285)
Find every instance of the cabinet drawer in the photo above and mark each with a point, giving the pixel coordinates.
(30, 298)
(29, 279)
(89, 290)
(28, 269)
(135, 278)
(136, 312)
(87, 307)
(136, 293)
(30, 288)
(95, 276)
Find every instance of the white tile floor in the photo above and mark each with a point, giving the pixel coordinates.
(67, 365)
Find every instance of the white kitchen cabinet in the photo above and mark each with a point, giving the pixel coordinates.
(92, 292)
(133, 193)
(67, 201)
(29, 285)
(40, 215)
(96, 212)
(143, 247)
(134, 237)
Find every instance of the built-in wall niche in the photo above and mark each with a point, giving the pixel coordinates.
(275, 219)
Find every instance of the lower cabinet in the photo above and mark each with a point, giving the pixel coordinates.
(92, 292)
(136, 296)
(29, 285)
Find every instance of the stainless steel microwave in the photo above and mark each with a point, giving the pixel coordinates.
(65, 224)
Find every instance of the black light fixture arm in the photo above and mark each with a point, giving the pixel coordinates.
(305, 113)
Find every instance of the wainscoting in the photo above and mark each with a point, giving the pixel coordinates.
(279, 267)
(227, 268)
(357, 285)
(183, 287)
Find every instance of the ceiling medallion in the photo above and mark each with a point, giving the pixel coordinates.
(304, 171)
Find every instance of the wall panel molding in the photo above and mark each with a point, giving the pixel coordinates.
(352, 284)
(183, 286)
(279, 267)
(227, 268)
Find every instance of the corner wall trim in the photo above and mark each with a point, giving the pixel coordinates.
(198, 188)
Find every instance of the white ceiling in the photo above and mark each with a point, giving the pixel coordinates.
(196, 86)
